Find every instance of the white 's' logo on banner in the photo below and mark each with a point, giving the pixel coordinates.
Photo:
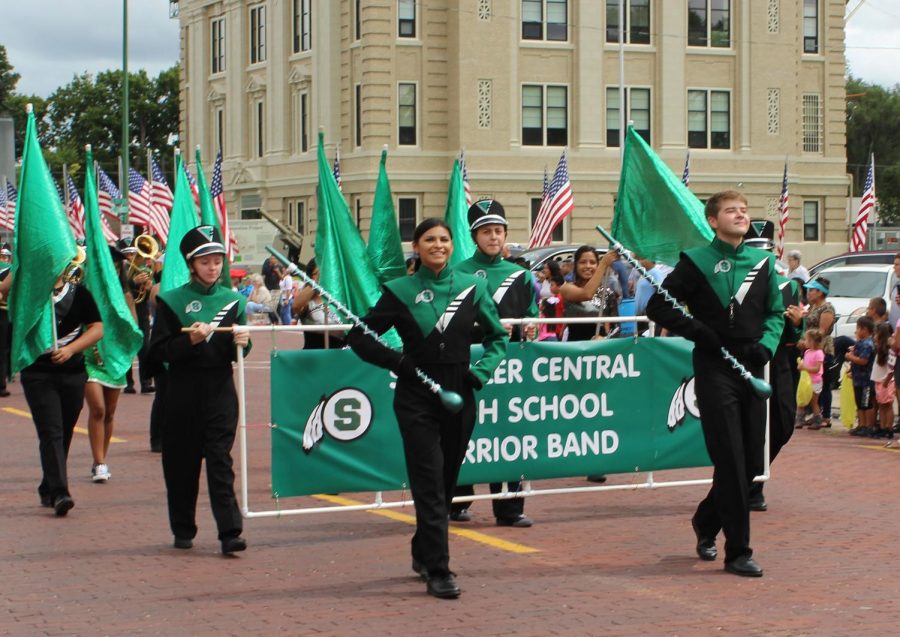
(345, 415)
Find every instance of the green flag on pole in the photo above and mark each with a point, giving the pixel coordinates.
(345, 270)
(175, 271)
(656, 216)
(44, 245)
(385, 248)
(208, 216)
(457, 217)
(121, 336)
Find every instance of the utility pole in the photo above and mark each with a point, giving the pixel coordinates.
(122, 204)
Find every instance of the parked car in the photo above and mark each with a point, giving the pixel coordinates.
(537, 257)
(854, 258)
(851, 288)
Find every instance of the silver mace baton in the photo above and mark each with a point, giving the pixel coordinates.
(760, 387)
(451, 401)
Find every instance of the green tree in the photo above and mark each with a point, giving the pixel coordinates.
(873, 125)
(8, 79)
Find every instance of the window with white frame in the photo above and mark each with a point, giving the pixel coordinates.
(219, 129)
(296, 209)
(406, 106)
(406, 217)
(637, 21)
(812, 123)
(810, 26)
(637, 107)
(558, 231)
(709, 23)
(709, 119)
(217, 44)
(258, 128)
(302, 25)
(406, 18)
(545, 115)
(258, 34)
(545, 20)
(301, 122)
(810, 220)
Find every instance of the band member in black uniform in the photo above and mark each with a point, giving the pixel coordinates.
(54, 386)
(512, 288)
(733, 294)
(200, 415)
(434, 312)
(140, 280)
(5, 258)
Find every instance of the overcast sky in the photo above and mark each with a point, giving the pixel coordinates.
(50, 41)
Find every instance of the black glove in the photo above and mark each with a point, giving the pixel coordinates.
(705, 338)
(406, 369)
(473, 380)
(756, 354)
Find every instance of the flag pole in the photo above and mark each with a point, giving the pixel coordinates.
(621, 81)
(65, 188)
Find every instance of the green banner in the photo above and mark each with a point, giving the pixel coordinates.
(551, 410)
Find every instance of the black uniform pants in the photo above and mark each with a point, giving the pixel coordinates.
(733, 421)
(5, 341)
(200, 423)
(434, 445)
(783, 376)
(157, 409)
(55, 400)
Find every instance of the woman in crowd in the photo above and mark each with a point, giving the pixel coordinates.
(311, 310)
(820, 315)
(588, 295)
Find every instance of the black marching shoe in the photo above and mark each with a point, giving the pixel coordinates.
(129, 390)
(62, 505)
(744, 566)
(148, 389)
(420, 570)
(706, 546)
(233, 545)
(521, 521)
(183, 543)
(443, 586)
(460, 515)
(758, 503)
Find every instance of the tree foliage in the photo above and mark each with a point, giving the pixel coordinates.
(873, 125)
(8, 79)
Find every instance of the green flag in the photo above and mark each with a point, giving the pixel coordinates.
(208, 217)
(175, 271)
(340, 250)
(44, 245)
(385, 248)
(457, 217)
(656, 216)
(121, 336)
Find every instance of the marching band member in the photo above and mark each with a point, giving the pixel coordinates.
(512, 288)
(54, 386)
(5, 259)
(434, 312)
(200, 412)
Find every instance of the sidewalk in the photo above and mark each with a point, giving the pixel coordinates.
(620, 563)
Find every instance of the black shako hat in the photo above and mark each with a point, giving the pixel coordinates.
(6, 250)
(761, 234)
(200, 241)
(485, 211)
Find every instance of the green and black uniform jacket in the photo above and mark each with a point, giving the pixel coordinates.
(434, 314)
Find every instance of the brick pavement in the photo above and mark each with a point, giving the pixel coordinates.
(618, 563)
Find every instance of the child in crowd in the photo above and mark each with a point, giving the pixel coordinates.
(883, 377)
(892, 358)
(813, 363)
(862, 358)
(552, 307)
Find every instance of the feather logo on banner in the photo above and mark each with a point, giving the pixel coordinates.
(684, 402)
(313, 432)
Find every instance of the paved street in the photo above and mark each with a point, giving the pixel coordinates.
(618, 563)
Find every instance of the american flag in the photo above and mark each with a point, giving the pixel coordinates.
(161, 199)
(138, 198)
(195, 189)
(686, 173)
(10, 197)
(337, 168)
(6, 219)
(555, 207)
(783, 210)
(107, 193)
(465, 178)
(75, 211)
(217, 192)
(866, 209)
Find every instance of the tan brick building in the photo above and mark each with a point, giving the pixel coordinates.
(514, 82)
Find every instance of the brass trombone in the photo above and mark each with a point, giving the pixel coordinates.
(147, 248)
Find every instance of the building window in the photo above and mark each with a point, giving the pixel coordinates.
(637, 21)
(220, 129)
(296, 209)
(535, 27)
(406, 217)
(357, 124)
(258, 34)
(357, 20)
(358, 206)
(406, 131)
(544, 115)
(217, 45)
(301, 122)
(485, 93)
(810, 220)
(258, 128)
(557, 231)
(302, 25)
(250, 207)
(709, 119)
(406, 18)
(810, 26)
(812, 123)
(637, 105)
(709, 23)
